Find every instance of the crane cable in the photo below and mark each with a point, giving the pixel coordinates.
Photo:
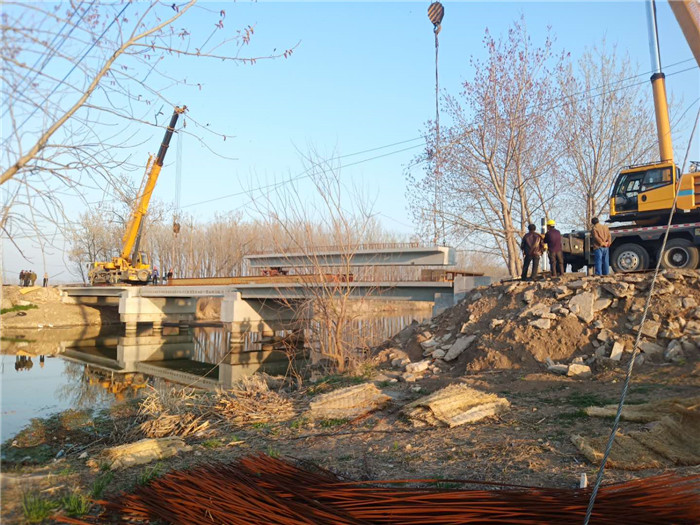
(630, 366)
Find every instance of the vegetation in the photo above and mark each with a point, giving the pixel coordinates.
(18, 308)
(37, 508)
(150, 473)
(101, 483)
(76, 504)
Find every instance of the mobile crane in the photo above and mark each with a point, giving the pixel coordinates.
(644, 194)
(132, 266)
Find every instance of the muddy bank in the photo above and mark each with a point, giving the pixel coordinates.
(39, 308)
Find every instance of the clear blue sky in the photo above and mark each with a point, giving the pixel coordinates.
(362, 77)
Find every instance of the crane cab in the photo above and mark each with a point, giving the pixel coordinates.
(646, 192)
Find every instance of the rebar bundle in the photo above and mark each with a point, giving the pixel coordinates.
(264, 490)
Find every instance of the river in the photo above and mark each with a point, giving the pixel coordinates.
(48, 371)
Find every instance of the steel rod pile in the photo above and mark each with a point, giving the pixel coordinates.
(261, 489)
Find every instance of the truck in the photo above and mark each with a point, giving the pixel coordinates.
(647, 194)
(132, 266)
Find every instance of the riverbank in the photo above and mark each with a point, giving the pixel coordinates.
(550, 355)
(41, 308)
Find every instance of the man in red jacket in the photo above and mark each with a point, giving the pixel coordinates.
(532, 247)
(556, 253)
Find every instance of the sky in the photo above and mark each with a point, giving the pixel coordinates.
(360, 84)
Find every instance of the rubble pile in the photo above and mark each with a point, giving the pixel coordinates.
(575, 326)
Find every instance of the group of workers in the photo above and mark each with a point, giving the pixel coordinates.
(533, 245)
(28, 278)
(155, 276)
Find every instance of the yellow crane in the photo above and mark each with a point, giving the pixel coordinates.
(645, 193)
(132, 266)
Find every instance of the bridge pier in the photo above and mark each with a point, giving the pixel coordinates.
(132, 350)
(135, 309)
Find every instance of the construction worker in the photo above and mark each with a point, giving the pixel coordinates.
(155, 275)
(532, 247)
(556, 254)
(600, 242)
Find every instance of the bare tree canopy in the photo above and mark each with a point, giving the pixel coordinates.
(499, 154)
(605, 125)
(80, 81)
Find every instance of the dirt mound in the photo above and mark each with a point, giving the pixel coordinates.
(37, 307)
(590, 322)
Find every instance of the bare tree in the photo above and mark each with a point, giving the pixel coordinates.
(332, 218)
(500, 161)
(80, 82)
(606, 123)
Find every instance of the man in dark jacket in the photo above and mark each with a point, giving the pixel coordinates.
(532, 247)
(556, 253)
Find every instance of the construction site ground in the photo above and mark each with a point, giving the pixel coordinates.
(529, 443)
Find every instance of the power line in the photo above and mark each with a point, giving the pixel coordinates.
(306, 174)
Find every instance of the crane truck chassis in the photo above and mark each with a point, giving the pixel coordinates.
(636, 248)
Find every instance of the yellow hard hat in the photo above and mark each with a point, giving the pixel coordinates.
(551, 222)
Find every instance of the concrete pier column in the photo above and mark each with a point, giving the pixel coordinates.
(157, 327)
(130, 327)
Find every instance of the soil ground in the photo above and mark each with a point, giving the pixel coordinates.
(528, 444)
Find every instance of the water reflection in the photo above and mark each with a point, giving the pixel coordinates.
(52, 370)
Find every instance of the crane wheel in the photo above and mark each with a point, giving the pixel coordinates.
(143, 275)
(680, 254)
(629, 258)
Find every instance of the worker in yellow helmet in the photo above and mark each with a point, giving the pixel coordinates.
(556, 254)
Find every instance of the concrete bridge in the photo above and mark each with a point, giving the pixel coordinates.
(260, 306)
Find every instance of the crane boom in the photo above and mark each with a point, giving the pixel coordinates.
(687, 14)
(129, 241)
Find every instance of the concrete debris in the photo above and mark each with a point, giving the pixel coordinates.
(347, 403)
(577, 285)
(579, 371)
(420, 366)
(459, 346)
(689, 302)
(429, 344)
(650, 348)
(477, 296)
(561, 291)
(650, 329)
(439, 354)
(604, 335)
(619, 289)
(692, 327)
(140, 452)
(529, 296)
(674, 351)
(602, 304)
(542, 324)
(617, 351)
(582, 306)
(453, 406)
(537, 310)
(400, 362)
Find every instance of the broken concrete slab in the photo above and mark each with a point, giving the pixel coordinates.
(347, 403)
(582, 306)
(650, 348)
(418, 367)
(453, 406)
(601, 304)
(528, 296)
(579, 371)
(650, 329)
(689, 302)
(619, 289)
(459, 346)
(495, 322)
(617, 351)
(142, 452)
